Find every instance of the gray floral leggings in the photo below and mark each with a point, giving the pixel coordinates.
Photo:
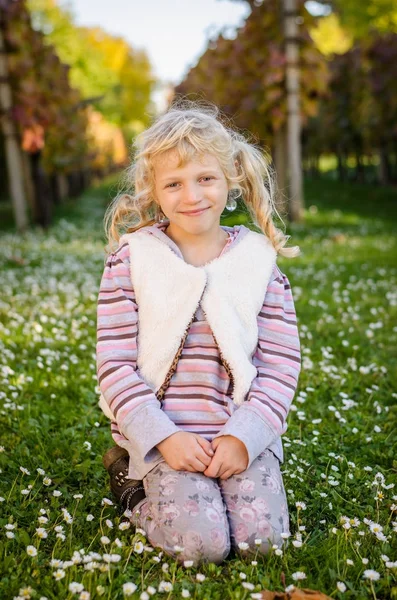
(204, 515)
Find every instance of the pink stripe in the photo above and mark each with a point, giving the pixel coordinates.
(114, 378)
(114, 309)
(277, 327)
(291, 377)
(128, 346)
(203, 367)
(111, 346)
(110, 274)
(192, 405)
(273, 385)
(136, 403)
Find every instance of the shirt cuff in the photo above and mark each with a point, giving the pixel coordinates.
(246, 425)
(147, 428)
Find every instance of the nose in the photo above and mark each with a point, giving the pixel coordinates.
(193, 193)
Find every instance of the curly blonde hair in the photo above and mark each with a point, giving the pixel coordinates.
(192, 129)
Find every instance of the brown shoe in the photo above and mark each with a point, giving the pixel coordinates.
(128, 492)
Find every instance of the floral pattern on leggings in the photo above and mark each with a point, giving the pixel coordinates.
(207, 516)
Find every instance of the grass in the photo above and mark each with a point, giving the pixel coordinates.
(340, 447)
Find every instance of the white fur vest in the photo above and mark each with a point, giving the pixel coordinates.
(230, 289)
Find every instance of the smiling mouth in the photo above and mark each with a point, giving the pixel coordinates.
(196, 212)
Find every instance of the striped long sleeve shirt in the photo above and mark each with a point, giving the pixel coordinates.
(198, 398)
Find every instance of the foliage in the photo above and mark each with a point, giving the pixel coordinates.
(348, 97)
(359, 112)
(52, 116)
(382, 76)
(108, 141)
(363, 19)
(48, 111)
(103, 67)
(359, 19)
(329, 36)
(246, 75)
(339, 470)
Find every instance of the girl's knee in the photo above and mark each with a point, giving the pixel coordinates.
(216, 554)
(211, 546)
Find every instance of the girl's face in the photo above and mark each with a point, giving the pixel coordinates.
(200, 185)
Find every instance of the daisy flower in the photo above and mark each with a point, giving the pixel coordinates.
(129, 588)
(370, 574)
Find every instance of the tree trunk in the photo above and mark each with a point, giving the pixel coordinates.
(290, 18)
(360, 172)
(313, 167)
(384, 166)
(341, 165)
(53, 181)
(29, 186)
(317, 166)
(12, 147)
(42, 195)
(62, 186)
(280, 160)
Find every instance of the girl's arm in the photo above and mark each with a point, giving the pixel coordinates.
(136, 409)
(261, 419)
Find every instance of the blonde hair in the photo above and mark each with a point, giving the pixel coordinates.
(192, 129)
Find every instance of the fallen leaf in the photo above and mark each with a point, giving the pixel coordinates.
(18, 260)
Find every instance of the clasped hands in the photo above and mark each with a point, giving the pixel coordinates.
(230, 458)
(223, 457)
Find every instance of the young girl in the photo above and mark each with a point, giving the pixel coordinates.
(198, 349)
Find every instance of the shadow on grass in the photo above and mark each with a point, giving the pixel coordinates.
(346, 204)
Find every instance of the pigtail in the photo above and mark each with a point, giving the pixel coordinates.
(132, 208)
(257, 182)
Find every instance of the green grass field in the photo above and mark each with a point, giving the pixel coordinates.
(340, 448)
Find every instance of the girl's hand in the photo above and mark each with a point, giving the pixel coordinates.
(185, 451)
(231, 457)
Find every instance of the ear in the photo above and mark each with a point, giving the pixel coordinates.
(236, 166)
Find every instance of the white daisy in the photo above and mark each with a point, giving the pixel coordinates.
(31, 551)
(129, 588)
(370, 574)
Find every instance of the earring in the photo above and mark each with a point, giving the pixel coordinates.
(231, 203)
(160, 216)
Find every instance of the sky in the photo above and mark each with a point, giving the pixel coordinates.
(173, 32)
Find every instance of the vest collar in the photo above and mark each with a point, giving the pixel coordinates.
(157, 230)
(231, 289)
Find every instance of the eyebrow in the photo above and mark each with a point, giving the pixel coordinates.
(211, 171)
